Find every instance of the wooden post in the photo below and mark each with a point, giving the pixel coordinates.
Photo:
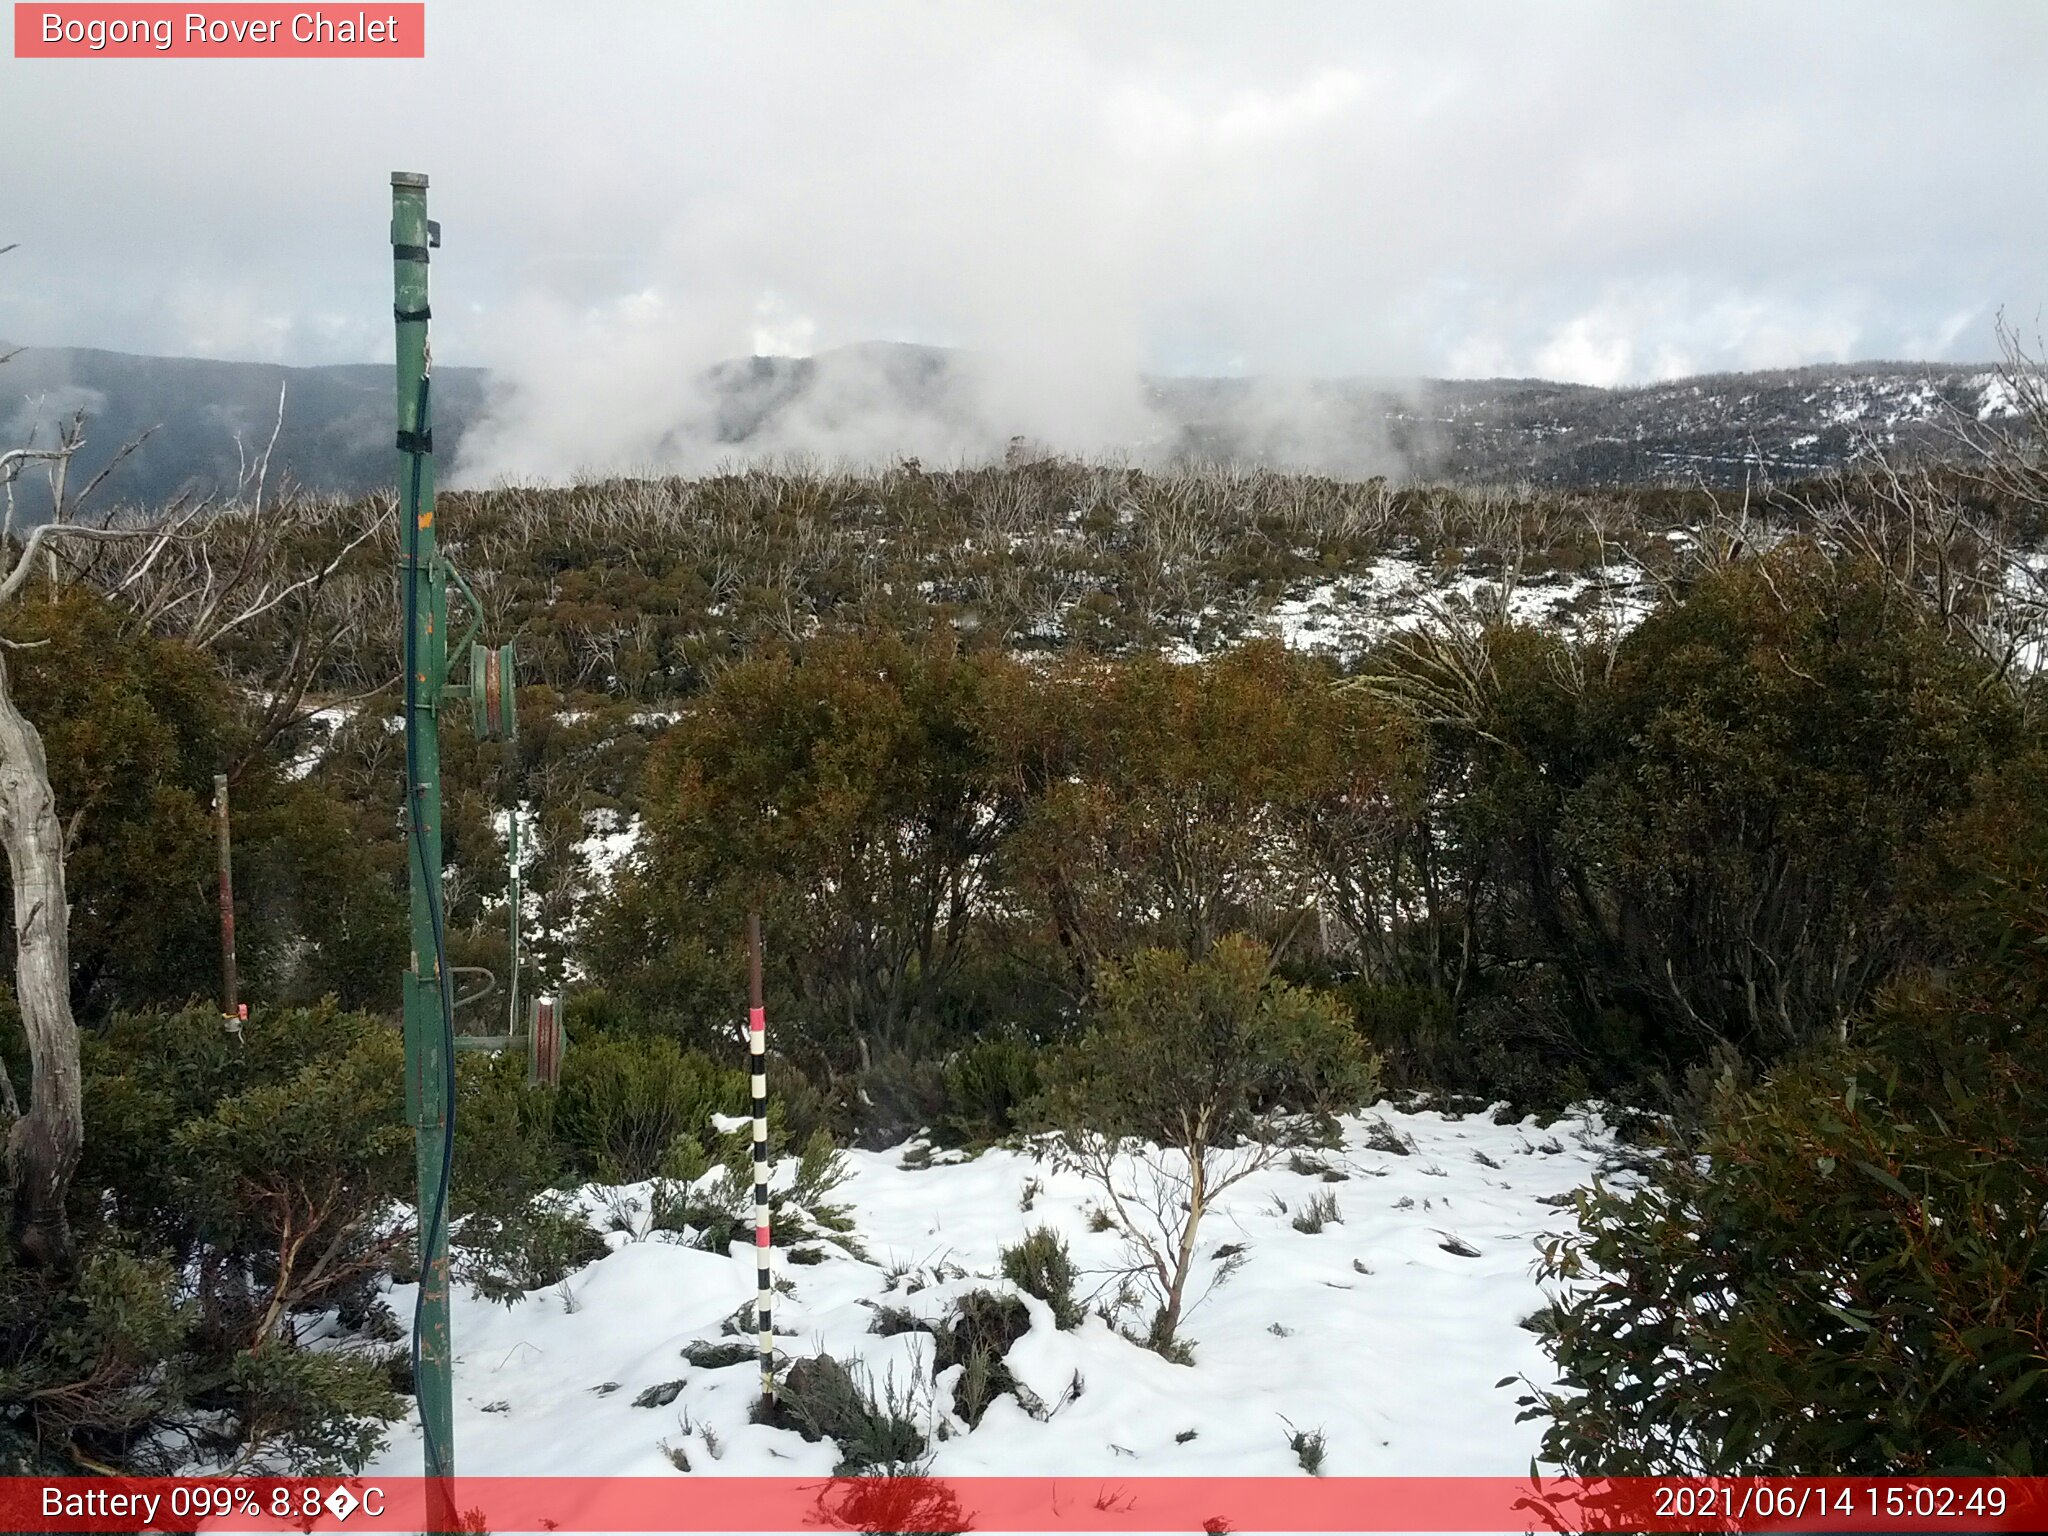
(230, 998)
(757, 1051)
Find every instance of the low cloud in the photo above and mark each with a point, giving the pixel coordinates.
(1072, 197)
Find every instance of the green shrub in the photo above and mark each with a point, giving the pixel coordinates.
(225, 1187)
(505, 1142)
(229, 1187)
(502, 1257)
(988, 1085)
(283, 1183)
(1411, 1030)
(1041, 1266)
(623, 1101)
(593, 1011)
(803, 1105)
(89, 1367)
(714, 1203)
(804, 1211)
(309, 1413)
(874, 1428)
(1850, 1277)
(711, 1211)
(977, 1334)
(1202, 1072)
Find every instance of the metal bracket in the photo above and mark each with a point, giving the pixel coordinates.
(490, 983)
(476, 609)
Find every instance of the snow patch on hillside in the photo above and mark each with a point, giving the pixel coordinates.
(610, 843)
(1998, 397)
(321, 727)
(1347, 615)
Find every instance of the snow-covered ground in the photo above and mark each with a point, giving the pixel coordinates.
(1386, 1330)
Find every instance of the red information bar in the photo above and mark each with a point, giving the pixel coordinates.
(377, 30)
(503, 1505)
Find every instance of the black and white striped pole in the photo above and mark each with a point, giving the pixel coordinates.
(757, 1054)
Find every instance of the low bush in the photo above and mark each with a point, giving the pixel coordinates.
(502, 1257)
(874, 1427)
(228, 1187)
(988, 1086)
(1041, 1266)
(624, 1100)
(232, 1187)
(1192, 1075)
(90, 1367)
(977, 1334)
(714, 1204)
(1848, 1274)
(1320, 1211)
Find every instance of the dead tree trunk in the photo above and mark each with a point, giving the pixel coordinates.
(44, 1143)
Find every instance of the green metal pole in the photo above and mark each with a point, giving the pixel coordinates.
(424, 590)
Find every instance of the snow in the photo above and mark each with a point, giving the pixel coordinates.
(1371, 1330)
(1999, 398)
(1347, 615)
(608, 846)
(326, 723)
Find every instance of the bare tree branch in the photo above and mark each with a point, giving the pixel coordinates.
(54, 533)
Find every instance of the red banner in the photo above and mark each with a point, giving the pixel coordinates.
(502, 1505)
(246, 31)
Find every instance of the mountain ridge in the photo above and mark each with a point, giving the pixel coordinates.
(211, 416)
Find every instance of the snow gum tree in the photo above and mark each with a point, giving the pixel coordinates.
(1191, 1076)
(44, 1139)
(162, 568)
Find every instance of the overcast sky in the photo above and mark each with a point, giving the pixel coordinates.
(1597, 192)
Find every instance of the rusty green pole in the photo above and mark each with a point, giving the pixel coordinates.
(429, 1026)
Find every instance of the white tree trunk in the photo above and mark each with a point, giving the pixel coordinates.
(43, 1145)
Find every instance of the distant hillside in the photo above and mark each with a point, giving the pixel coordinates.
(1789, 421)
(338, 420)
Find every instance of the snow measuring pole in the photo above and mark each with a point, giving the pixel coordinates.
(430, 1043)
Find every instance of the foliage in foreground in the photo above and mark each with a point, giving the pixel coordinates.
(237, 1191)
(1851, 1274)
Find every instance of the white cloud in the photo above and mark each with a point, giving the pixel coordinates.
(779, 333)
(1588, 349)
